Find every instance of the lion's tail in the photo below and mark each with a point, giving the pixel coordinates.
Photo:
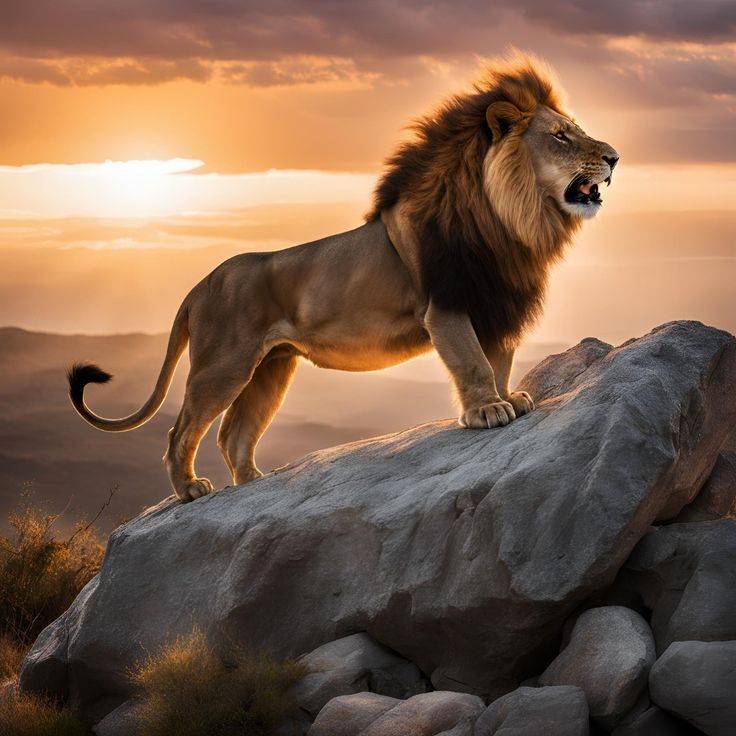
(80, 374)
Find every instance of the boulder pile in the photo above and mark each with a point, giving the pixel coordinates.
(572, 573)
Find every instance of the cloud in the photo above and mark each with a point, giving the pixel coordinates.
(228, 30)
(101, 71)
(239, 29)
(290, 71)
(668, 20)
(648, 55)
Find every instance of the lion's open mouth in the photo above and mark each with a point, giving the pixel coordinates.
(582, 190)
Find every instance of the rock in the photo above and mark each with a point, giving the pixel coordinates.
(558, 374)
(642, 705)
(686, 575)
(717, 498)
(609, 656)
(531, 711)
(125, 720)
(351, 665)
(427, 714)
(463, 551)
(696, 681)
(466, 728)
(656, 722)
(349, 715)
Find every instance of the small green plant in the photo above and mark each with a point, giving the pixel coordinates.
(23, 714)
(188, 690)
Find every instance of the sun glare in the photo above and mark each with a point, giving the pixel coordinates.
(136, 188)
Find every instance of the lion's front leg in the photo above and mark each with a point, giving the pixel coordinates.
(502, 360)
(454, 338)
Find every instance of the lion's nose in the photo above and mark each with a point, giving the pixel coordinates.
(611, 160)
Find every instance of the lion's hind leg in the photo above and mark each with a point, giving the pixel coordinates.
(210, 390)
(247, 419)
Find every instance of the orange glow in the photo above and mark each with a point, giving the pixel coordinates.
(123, 180)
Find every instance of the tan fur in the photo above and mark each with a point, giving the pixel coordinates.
(480, 180)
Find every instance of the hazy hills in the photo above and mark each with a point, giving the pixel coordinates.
(44, 442)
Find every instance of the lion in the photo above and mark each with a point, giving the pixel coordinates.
(466, 221)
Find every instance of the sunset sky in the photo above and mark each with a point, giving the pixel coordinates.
(143, 141)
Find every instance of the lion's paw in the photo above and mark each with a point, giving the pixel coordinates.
(488, 416)
(522, 402)
(195, 488)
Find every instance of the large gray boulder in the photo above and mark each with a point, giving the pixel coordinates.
(428, 714)
(558, 374)
(696, 681)
(717, 498)
(656, 722)
(610, 653)
(463, 551)
(126, 720)
(348, 715)
(354, 664)
(532, 711)
(686, 575)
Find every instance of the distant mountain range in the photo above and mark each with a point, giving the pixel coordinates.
(71, 465)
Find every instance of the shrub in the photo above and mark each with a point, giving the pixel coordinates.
(23, 714)
(188, 690)
(39, 575)
(11, 655)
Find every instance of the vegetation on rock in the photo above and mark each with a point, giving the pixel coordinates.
(189, 689)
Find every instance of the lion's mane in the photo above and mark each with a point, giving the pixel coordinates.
(486, 234)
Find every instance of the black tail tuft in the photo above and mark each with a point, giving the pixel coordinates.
(80, 374)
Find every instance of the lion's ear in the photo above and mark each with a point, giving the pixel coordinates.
(502, 117)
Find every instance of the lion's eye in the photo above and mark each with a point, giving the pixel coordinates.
(560, 135)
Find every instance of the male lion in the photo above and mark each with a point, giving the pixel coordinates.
(465, 224)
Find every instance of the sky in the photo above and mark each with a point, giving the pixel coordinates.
(144, 141)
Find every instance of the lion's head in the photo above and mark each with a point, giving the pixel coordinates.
(494, 184)
(569, 164)
(511, 137)
(540, 162)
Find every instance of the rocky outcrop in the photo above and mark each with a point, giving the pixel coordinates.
(428, 714)
(528, 711)
(354, 664)
(610, 653)
(685, 574)
(717, 498)
(126, 720)
(463, 552)
(696, 681)
(656, 722)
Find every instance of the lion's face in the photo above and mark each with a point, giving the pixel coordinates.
(570, 165)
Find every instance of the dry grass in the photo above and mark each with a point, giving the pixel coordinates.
(30, 715)
(39, 578)
(39, 575)
(11, 655)
(186, 689)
